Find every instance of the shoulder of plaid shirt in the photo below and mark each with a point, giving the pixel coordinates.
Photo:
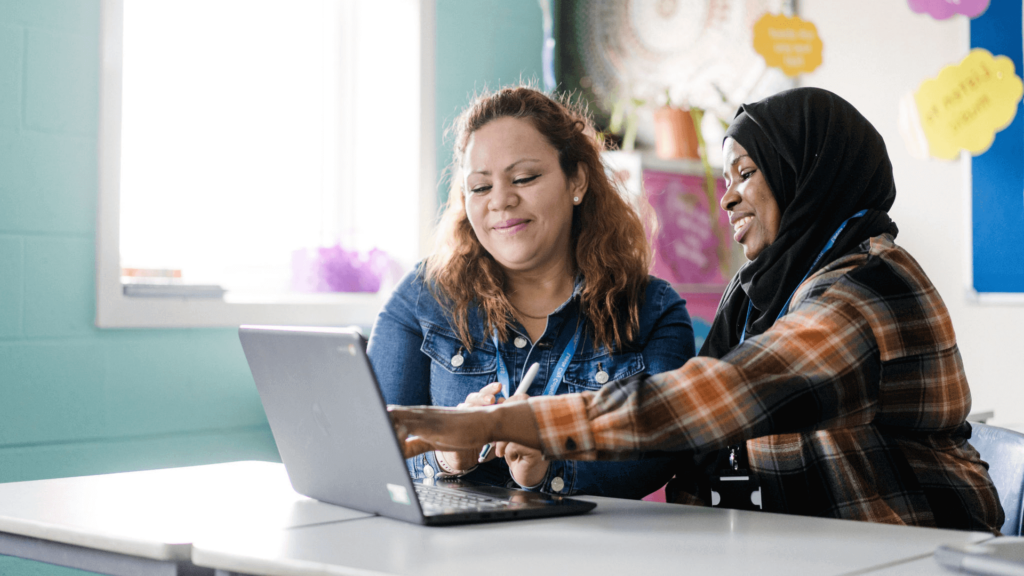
(852, 405)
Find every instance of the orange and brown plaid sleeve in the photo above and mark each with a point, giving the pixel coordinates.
(807, 371)
(564, 426)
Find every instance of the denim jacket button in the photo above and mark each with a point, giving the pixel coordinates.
(520, 342)
(457, 360)
(601, 377)
(557, 484)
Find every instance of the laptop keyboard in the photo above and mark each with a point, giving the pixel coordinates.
(438, 498)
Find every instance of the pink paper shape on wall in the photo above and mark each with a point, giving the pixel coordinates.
(687, 249)
(943, 9)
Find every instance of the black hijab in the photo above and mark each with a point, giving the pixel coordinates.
(823, 162)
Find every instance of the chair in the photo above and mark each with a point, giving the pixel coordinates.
(1004, 451)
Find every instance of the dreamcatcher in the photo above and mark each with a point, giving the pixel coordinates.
(689, 53)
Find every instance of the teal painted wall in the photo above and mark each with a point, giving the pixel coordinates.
(481, 44)
(74, 399)
(77, 400)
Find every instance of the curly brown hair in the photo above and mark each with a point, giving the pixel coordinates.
(611, 248)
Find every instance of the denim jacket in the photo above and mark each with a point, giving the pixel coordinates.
(419, 360)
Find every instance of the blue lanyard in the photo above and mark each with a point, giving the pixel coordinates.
(556, 376)
(785, 309)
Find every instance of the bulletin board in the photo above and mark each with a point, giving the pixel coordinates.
(997, 176)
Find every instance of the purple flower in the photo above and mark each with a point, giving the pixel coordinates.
(338, 269)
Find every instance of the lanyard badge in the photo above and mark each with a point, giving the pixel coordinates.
(556, 377)
(734, 486)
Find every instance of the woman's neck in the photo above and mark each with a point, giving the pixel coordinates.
(537, 293)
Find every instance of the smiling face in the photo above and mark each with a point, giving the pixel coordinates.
(518, 200)
(752, 209)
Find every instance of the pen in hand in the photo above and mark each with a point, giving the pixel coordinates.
(531, 373)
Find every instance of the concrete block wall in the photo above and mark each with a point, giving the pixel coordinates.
(74, 399)
(481, 44)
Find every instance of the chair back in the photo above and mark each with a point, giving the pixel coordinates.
(1004, 451)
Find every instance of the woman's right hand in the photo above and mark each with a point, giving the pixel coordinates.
(467, 459)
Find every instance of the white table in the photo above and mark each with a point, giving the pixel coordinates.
(618, 537)
(243, 517)
(145, 522)
(996, 556)
(926, 566)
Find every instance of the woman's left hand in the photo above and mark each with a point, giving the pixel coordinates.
(528, 466)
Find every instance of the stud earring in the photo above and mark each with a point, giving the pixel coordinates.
(576, 199)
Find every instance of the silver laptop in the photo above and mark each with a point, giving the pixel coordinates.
(335, 438)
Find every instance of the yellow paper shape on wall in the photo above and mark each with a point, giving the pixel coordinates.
(967, 103)
(789, 43)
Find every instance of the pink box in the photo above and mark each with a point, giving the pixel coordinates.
(688, 249)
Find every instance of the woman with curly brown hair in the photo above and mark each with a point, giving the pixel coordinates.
(540, 260)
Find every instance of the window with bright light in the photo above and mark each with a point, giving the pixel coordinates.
(260, 153)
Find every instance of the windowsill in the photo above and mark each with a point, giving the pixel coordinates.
(115, 310)
(214, 293)
(303, 298)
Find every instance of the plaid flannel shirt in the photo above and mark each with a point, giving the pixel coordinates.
(852, 405)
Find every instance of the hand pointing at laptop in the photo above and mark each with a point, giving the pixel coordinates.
(526, 465)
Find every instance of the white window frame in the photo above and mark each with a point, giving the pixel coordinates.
(115, 310)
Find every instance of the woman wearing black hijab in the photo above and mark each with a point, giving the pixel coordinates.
(823, 163)
(831, 378)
